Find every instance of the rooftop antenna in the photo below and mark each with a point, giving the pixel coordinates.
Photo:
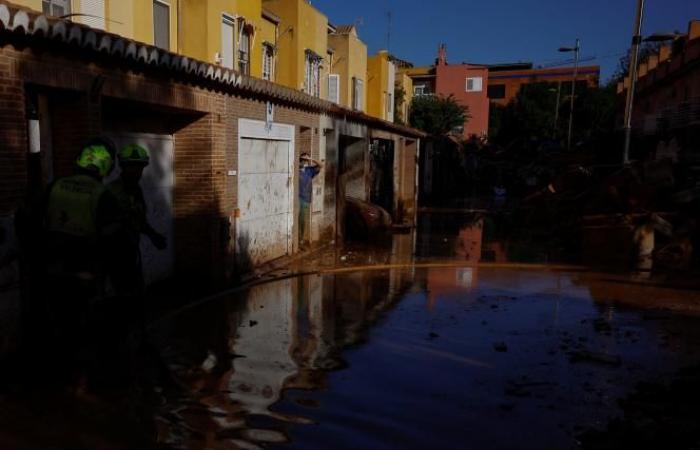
(388, 33)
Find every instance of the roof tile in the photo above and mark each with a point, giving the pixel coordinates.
(126, 49)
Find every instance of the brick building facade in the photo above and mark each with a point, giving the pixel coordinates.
(208, 129)
(666, 114)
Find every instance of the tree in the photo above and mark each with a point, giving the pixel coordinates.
(437, 115)
(530, 115)
(645, 51)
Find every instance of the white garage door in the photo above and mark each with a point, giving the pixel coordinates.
(265, 192)
(157, 185)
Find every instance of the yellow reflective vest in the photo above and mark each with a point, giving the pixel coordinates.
(72, 206)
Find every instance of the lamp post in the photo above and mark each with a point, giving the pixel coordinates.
(556, 108)
(577, 51)
(634, 59)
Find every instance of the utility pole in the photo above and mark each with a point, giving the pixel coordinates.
(634, 59)
(556, 111)
(577, 51)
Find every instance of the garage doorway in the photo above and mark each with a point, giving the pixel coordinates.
(157, 184)
(264, 228)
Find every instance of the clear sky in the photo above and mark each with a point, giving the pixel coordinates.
(497, 31)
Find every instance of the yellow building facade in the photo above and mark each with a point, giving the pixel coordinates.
(135, 19)
(302, 46)
(381, 79)
(350, 68)
(234, 33)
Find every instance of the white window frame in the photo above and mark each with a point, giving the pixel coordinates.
(67, 5)
(268, 62)
(231, 21)
(312, 74)
(357, 94)
(239, 53)
(153, 11)
(334, 80)
(477, 84)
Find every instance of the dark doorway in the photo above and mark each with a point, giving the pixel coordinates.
(350, 181)
(382, 174)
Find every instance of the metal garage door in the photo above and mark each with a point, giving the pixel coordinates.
(264, 199)
(157, 185)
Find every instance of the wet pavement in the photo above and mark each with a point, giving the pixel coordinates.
(376, 348)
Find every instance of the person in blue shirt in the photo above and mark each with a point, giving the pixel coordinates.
(308, 169)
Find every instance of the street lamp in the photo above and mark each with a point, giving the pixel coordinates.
(577, 51)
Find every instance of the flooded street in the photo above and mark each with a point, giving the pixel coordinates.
(375, 349)
(426, 358)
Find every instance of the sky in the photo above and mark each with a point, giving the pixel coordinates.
(503, 31)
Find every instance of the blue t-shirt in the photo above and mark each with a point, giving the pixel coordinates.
(306, 177)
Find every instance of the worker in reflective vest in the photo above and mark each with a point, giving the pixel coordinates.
(133, 159)
(83, 219)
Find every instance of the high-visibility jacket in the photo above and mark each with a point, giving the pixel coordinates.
(73, 206)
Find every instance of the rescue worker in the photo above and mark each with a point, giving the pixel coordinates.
(83, 225)
(133, 159)
(82, 221)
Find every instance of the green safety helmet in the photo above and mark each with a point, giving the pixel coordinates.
(96, 158)
(133, 154)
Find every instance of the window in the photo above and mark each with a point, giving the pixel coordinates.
(93, 13)
(228, 33)
(312, 74)
(475, 84)
(334, 88)
(244, 48)
(497, 91)
(161, 24)
(389, 103)
(357, 99)
(56, 8)
(268, 71)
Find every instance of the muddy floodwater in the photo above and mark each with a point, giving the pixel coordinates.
(355, 355)
(416, 359)
(440, 357)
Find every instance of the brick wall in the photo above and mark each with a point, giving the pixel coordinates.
(204, 125)
(13, 136)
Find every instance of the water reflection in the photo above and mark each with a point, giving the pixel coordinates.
(361, 356)
(236, 358)
(479, 237)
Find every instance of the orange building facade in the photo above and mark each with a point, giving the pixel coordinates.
(505, 81)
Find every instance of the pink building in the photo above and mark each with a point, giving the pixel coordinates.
(468, 84)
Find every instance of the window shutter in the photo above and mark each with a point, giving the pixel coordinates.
(94, 11)
(227, 34)
(360, 95)
(334, 88)
(161, 25)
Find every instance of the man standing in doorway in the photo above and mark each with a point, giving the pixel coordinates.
(308, 169)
